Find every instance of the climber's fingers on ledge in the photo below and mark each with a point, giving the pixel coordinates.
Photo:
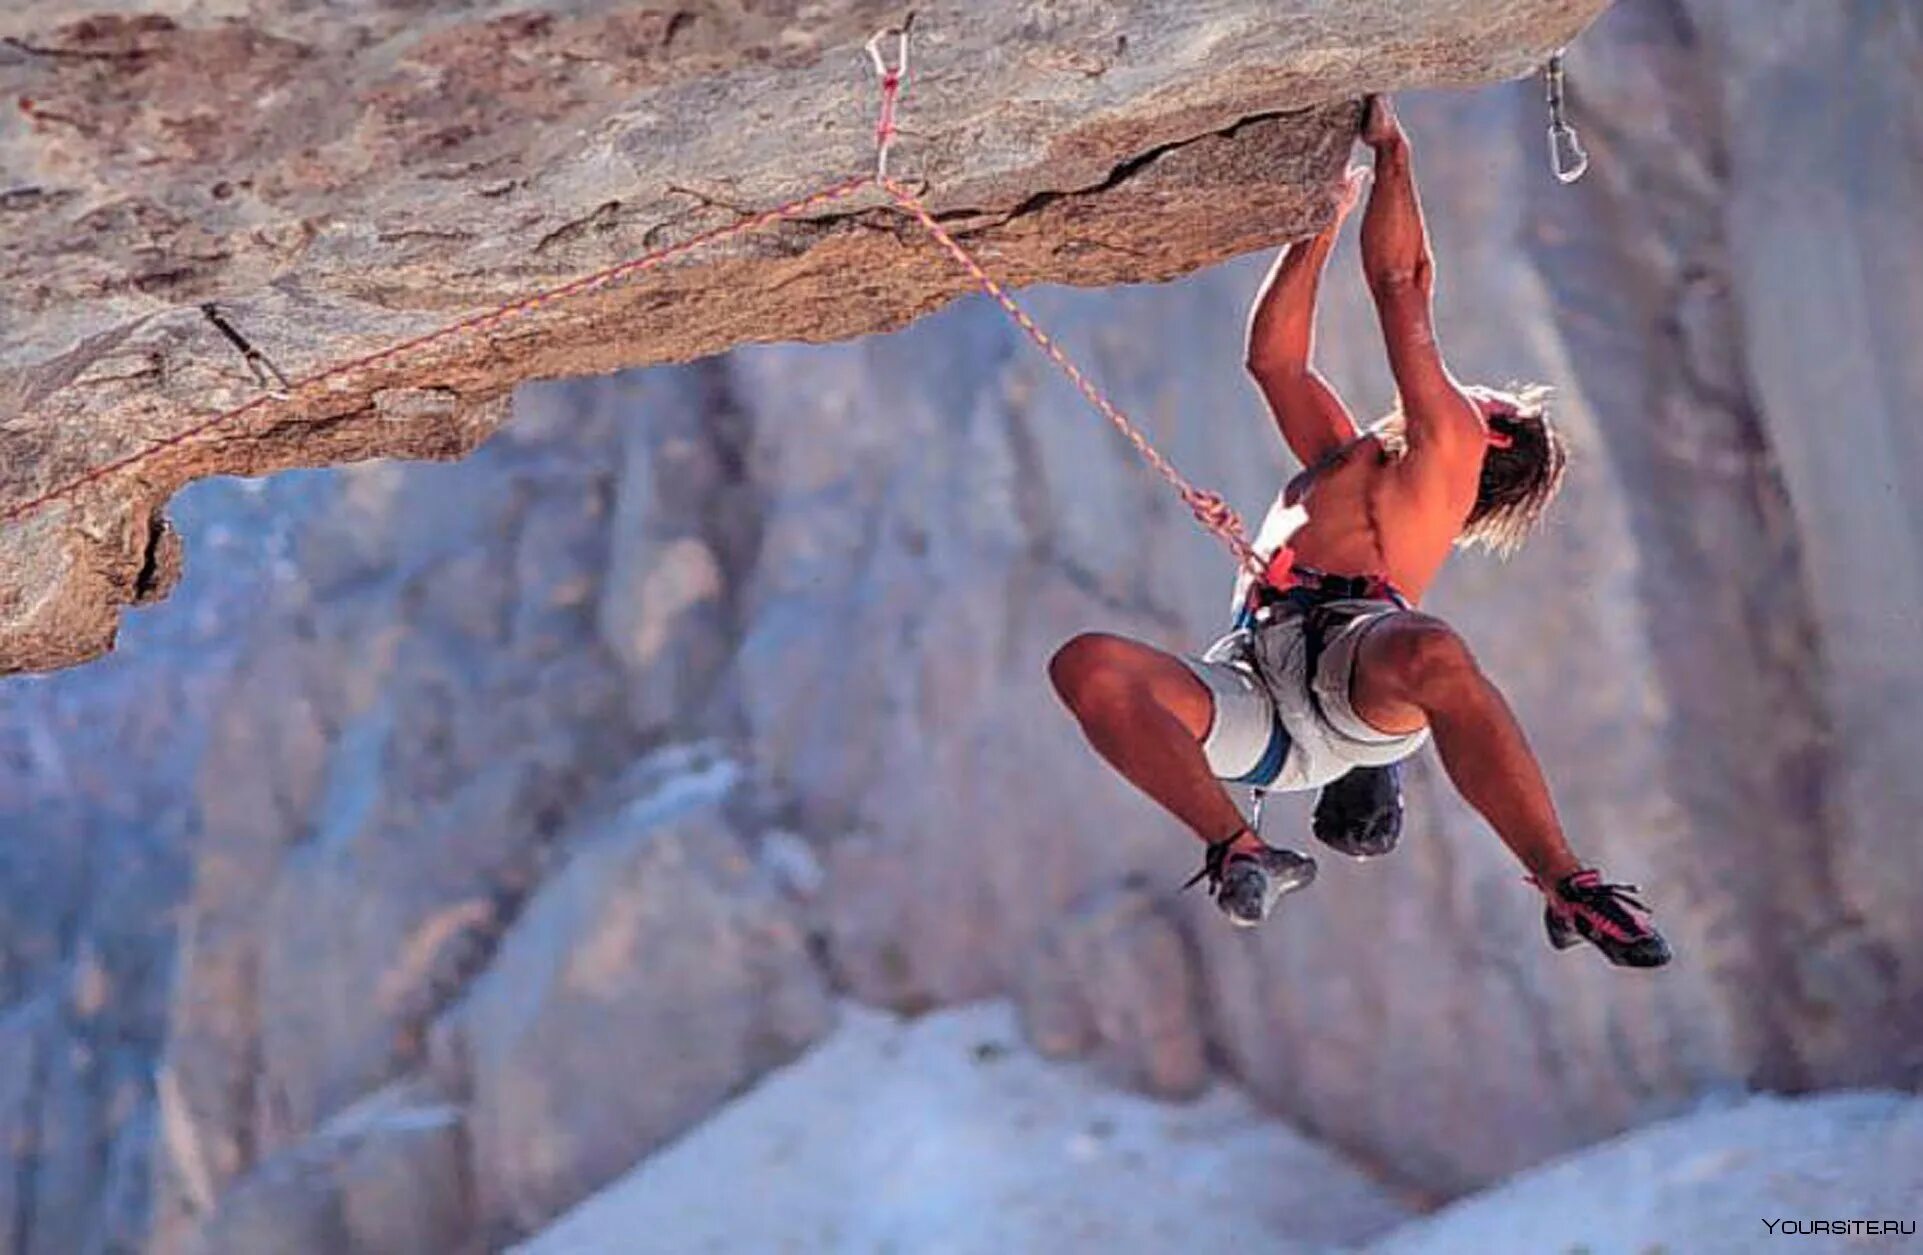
(1379, 123)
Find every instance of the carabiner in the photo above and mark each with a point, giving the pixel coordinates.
(1566, 155)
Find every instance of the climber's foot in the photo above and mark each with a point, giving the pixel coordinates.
(1248, 877)
(1609, 917)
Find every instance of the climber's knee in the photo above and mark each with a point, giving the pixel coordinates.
(1108, 678)
(1407, 664)
(1095, 669)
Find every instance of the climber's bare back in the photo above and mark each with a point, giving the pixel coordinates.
(1372, 512)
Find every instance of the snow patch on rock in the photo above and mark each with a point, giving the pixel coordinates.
(1705, 1184)
(943, 1134)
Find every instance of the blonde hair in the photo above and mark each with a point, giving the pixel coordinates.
(1519, 477)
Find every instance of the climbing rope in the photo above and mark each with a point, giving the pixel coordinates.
(1209, 509)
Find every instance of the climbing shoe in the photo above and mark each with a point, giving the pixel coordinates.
(1360, 814)
(1247, 884)
(1582, 907)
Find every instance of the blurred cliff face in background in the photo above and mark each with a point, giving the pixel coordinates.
(700, 695)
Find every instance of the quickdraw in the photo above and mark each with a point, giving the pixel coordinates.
(1566, 155)
(259, 363)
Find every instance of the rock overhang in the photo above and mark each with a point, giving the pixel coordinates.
(340, 185)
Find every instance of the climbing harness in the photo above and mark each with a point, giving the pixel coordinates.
(1566, 155)
(258, 362)
(1210, 510)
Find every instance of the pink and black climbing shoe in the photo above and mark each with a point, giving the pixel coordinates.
(1246, 885)
(1583, 907)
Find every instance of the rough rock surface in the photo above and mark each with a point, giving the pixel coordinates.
(632, 974)
(335, 769)
(1115, 981)
(1035, 1158)
(646, 982)
(944, 1135)
(957, 1144)
(387, 1176)
(345, 181)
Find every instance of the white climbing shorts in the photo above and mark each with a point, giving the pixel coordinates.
(1276, 725)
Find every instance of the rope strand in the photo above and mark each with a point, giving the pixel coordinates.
(1210, 510)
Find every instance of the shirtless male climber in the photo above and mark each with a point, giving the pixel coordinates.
(1332, 676)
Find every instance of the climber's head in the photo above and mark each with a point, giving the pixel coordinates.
(1522, 467)
(1521, 470)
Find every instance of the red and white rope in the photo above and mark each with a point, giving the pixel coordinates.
(1209, 509)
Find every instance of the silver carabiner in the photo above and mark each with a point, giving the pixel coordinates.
(1566, 155)
(900, 70)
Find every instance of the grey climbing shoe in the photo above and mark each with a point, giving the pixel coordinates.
(1247, 885)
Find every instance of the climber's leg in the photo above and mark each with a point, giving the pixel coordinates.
(1413, 668)
(1156, 720)
(1146, 713)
